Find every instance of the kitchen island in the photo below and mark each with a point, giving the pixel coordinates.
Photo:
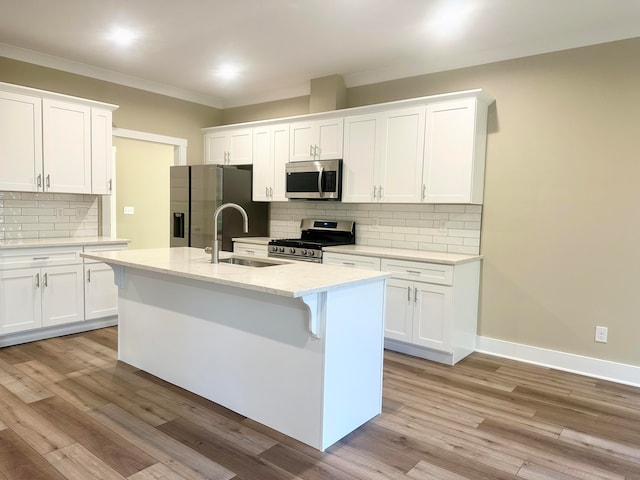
(296, 346)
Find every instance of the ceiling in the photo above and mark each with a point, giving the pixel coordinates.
(278, 46)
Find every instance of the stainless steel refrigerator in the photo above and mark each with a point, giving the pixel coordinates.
(195, 193)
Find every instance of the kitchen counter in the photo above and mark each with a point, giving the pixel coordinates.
(60, 242)
(405, 254)
(289, 279)
(297, 346)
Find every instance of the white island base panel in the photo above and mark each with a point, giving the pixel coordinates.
(253, 352)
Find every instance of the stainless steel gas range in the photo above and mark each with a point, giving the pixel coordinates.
(314, 235)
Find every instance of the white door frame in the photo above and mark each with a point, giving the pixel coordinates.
(109, 201)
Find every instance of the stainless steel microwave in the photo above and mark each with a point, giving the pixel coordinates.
(314, 180)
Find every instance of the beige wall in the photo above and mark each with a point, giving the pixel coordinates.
(139, 110)
(142, 182)
(560, 220)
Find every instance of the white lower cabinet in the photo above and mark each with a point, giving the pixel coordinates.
(43, 292)
(431, 309)
(52, 287)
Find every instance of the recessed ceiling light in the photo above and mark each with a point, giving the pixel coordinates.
(450, 18)
(228, 71)
(122, 36)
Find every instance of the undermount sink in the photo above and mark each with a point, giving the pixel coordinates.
(248, 262)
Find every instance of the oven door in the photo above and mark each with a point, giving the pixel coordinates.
(317, 180)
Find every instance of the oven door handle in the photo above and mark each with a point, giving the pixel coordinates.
(320, 172)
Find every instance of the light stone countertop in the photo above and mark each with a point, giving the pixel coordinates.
(404, 254)
(289, 279)
(60, 242)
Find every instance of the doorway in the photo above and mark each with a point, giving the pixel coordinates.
(142, 192)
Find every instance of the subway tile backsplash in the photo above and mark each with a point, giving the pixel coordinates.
(47, 215)
(440, 228)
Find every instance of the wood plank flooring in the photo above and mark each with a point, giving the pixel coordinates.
(70, 410)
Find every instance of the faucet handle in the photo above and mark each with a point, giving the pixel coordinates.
(208, 250)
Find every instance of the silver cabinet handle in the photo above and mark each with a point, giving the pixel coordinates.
(408, 294)
(110, 184)
(37, 280)
(39, 180)
(424, 191)
(311, 151)
(414, 272)
(40, 258)
(375, 189)
(415, 295)
(250, 252)
(45, 280)
(48, 181)
(266, 191)
(271, 192)
(380, 192)
(350, 264)
(320, 172)
(89, 275)
(315, 151)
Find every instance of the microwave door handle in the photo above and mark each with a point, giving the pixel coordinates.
(320, 181)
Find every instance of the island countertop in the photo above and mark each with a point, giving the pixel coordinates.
(289, 279)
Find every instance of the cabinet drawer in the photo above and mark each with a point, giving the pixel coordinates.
(250, 249)
(31, 257)
(419, 271)
(354, 261)
(102, 248)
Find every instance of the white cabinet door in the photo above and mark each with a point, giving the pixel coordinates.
(400, 162)
(101, 151)
(100, 292)
(270, 156)
(20, 142)
(262, 164)
(398, 319)
(62, 295)
(432, 321)
(229, 147)
(455, 144)
(317, 139)
(215, 148)
(20, 307)
(362, 149)
(66, 131)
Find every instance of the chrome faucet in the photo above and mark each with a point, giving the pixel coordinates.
(214, 251)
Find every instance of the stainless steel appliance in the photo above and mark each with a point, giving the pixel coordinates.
(314, 180)
(314, 235)
(195, 193)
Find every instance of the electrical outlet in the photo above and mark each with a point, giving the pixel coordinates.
(375, 223)
(59, 211)
(129, 210)
(442, 226)
(601, 334)
(81, 213)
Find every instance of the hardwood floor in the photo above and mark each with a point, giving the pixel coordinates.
(69, 410)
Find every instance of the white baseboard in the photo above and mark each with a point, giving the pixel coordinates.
(568, 362)
(56, 331)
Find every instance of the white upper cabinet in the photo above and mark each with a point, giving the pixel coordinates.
(383, 154)
(229, 147)
(270, 156)
(101, 152)
(53, 143)
(455, 147)
(66, 145)
(319, 139)
(20, 142)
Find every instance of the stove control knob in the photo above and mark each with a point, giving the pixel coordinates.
(304, 252)
(312, 253)
(292, 250)
(274, 248)
(281, 249)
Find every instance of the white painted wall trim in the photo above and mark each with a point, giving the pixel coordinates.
(179, 144)
(568, 362)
